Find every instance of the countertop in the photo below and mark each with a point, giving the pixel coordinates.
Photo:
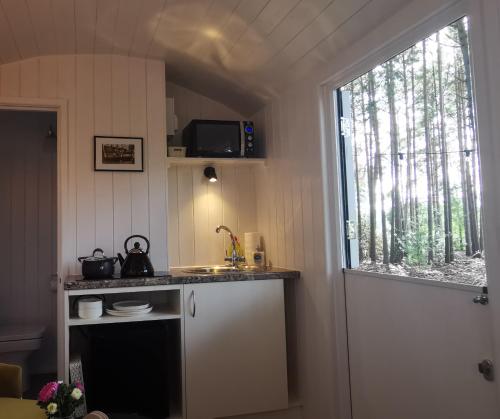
(177, 276)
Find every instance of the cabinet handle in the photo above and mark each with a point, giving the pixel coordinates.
(193, 298)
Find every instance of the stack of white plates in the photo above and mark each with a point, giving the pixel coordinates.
(129, 308)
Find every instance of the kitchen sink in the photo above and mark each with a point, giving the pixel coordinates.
(214, 270)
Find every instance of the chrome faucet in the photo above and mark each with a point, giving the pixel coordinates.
(234, 258)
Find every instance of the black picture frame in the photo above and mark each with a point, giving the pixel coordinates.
(122, 162)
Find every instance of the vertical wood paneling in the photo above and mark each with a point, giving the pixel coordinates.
(122, 209)
(103, 125)
(30, 74)
(85, 192)
(48, 77)
(200, 215)
(11, 80)
(290, 206)
(139, 128)
(173, 218)
(105, 95)
(215, 211)
(66, 88)
(197, 207)
(157, 151)
(186, 215)
(247, 210)
(229, 184)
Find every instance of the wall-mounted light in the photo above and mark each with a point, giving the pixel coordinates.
(209, 172)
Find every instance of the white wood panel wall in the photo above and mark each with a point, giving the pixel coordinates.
(28, 200)
(107, 95)
(197, 207)
(290, 216)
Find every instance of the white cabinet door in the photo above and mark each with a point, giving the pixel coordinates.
(235, 348)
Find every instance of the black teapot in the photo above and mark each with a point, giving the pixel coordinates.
(136, 262)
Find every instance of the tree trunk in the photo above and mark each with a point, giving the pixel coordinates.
(371, 177)
(396, 225)
(448, 227)
(430, 216)
(460, 135)
(409, 210)
(464, 48)
(372, 107)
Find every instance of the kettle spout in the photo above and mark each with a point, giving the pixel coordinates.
(120, 258)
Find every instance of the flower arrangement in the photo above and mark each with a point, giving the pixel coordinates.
(59, 399)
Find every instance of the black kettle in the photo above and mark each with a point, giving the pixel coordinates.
(136, 262)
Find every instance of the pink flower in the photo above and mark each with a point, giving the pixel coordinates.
(48, 391)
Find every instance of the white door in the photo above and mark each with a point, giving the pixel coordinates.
(414, 348)
(235, 348)
(420, 340)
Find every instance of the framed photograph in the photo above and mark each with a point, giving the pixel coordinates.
(122, 154)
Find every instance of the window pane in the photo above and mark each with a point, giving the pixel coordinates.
(415, 162)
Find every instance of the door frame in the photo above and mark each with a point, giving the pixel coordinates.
(484, 36)
(60, 107)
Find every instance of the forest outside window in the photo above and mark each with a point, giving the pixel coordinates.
(412, 165)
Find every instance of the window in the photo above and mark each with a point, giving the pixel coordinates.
(412, 165)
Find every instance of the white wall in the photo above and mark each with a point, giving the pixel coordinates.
(28, 226)
(107, 95)
(196, 207)
(290, 214)
(290, 202)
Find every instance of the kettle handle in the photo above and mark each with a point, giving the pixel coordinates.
(140, 237)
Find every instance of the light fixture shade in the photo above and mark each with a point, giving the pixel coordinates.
(209, 172)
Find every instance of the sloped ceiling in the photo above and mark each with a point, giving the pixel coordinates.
(239, 52)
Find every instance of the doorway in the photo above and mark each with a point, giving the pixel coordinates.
(28, 225)
(418, 321)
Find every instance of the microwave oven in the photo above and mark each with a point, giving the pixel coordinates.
(212, 138)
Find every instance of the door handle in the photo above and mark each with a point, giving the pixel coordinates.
(193, 304)
(486, 368)
(481, 299)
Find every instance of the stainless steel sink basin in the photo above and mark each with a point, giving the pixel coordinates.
(214, 270)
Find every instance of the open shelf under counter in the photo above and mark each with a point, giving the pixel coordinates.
(165, 299)
(202, 161)
(160, 313)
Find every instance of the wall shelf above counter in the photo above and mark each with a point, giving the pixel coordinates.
(203, 161)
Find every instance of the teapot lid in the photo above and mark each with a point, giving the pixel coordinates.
(137, 248)
(97, 254)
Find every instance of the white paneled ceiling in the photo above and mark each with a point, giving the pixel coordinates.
(240, 52)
